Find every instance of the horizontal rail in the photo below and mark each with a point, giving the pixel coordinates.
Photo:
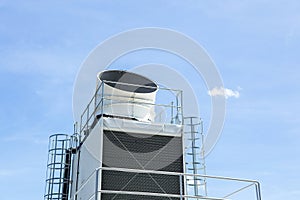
(176, 173)
(185, 175)
(158, 194)
(140, 103)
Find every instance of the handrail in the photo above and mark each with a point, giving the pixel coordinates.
(159, 194)
(99, 97)
(184, 175)
(175, 173)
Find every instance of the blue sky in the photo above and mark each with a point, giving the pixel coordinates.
(255, 45)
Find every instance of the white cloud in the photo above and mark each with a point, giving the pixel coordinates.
(225, 92)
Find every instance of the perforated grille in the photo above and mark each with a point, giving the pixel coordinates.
(136, 148)
(140, 182)
(163, 153)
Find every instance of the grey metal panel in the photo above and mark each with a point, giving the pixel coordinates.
(88, 156)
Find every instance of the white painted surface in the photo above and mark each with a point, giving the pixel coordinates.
(129, 104)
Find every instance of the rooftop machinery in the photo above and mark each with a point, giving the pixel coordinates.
(132, 142)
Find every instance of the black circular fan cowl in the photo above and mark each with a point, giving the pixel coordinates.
(127, 81)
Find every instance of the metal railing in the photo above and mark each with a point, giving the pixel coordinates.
(58, 167)
(96, 193)
(167, 112)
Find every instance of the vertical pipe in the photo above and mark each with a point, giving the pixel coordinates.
(184, 155)
(172, 114)
(180, 185)
(181, 106)
(97, 183)
(203, 155)
(49, 172)
(80, 126)
(257, 188)
(71, 172)
(61, 164)
(177, 110)
(87, 120)
(96, 99)
(77, 173)
(102, 99)
(54, 166)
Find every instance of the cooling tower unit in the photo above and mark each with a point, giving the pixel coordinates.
(123, 151)
(131, 143)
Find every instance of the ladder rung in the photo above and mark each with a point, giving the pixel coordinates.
(196, 184)
(191, 131)
(192, 154)
(192, 147)
(192, 163)
(196, 168)
(196, 124)
(195, 179)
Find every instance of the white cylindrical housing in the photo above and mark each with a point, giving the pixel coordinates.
(129, 95)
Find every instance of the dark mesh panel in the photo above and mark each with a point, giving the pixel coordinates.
(137, 142)
(136, 145)
(175, 166)
(133, 197)
(167, 156)
(128, 181)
